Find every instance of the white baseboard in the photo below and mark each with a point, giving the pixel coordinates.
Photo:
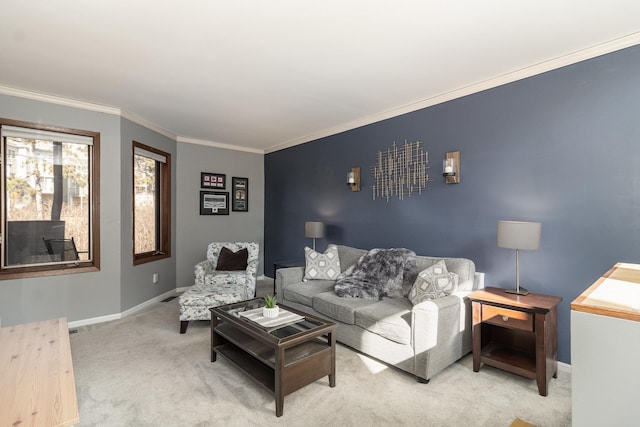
(132, 310)
(94, 320)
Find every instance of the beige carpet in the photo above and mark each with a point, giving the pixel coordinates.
(139, 371)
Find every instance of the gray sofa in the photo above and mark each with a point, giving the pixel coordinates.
(423, 339)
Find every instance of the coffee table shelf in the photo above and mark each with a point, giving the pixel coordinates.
(263, 352)
(260, 372)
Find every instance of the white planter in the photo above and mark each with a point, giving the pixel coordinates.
(270, 312)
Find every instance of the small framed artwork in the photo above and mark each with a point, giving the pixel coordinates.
(240, 191)
(213, 180)
(214, 203)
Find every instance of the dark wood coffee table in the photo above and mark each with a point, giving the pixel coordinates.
(282, 359)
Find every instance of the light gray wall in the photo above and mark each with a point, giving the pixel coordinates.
(84, 295)
(136, 280)
(119, 285)
(195, 231)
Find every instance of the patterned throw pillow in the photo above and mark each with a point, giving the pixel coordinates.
(324, 266)
(433, 282)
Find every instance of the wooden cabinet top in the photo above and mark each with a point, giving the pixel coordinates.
(533, 302)
(36, 373)
(615, 294)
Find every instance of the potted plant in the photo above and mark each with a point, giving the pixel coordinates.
(270, 308)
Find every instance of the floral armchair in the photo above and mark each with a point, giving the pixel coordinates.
(216, 287)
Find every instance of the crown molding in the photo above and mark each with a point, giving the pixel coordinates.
(147, 124)
(219, 145)
(539, 68)
(35, 96)
(58, 100)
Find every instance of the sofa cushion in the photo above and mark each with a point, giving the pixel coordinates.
(389, 318)
(433, 282)
(324, 266)
(303, 292)
(338, 308)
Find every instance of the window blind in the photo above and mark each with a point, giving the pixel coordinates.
(142, 152)
(18, 132)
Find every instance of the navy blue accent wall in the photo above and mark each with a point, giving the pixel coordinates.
(562, 148)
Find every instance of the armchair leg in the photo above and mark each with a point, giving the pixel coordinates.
(423, 381)
(183, 326)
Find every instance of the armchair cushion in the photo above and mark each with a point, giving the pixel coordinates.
(232, 261)
(228, 278)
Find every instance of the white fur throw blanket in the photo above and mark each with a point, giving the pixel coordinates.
(378, 274)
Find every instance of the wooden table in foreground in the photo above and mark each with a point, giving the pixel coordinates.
(283, 359)
(516, 333)
(37, 386)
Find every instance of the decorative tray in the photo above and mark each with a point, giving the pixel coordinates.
(284, 318)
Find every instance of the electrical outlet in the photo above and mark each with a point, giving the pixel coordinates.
(155, 277)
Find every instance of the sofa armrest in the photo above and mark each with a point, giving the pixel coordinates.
(434, 321)
(200, 270)
(287, 276)
(252, 268)
(252, 273)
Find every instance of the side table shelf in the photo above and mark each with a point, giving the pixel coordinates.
(516, 333)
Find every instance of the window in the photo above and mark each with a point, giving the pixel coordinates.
(151, 204)
(49, 182)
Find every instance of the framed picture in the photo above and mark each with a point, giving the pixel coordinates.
(214, 203)
(213, 180)
(240, 192)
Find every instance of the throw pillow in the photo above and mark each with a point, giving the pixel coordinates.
(324, 266)
(433, 282)
(232, 261)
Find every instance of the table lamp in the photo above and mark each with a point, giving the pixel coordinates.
(314, 230)
(519, 235)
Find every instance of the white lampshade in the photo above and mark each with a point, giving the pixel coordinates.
(314, 230)
(519, 235)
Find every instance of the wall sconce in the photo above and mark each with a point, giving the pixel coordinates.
(353, 179)
(451, 167)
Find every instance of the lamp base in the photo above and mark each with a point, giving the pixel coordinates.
(519, 291)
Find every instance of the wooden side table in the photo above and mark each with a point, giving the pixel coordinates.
(517, 333)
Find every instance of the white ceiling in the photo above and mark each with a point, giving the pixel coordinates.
(260, 75)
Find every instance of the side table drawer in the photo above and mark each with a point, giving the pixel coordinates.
(500, 316)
